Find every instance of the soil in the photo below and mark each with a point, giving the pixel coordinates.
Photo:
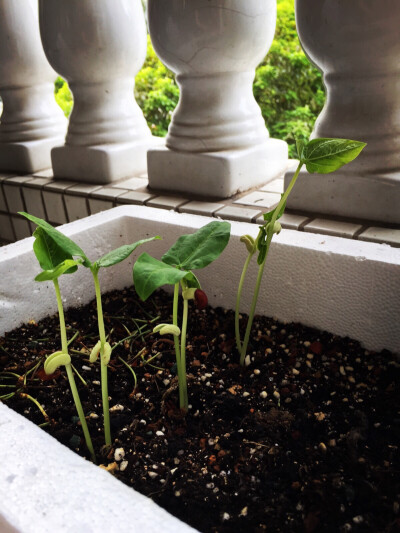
(303, 439)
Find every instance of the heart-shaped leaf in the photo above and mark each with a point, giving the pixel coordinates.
(121, 253)
(324, 156)
(65, 243)
(47, 251)
(197, 250)
(149, 274)
(62, 268)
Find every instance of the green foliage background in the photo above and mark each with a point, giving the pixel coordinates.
(287, 87)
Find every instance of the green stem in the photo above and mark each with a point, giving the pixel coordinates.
(270, 234)
(238, 297)
(79, 409)
(63, 331)
(252, 311)
(184, 404)
(103, 366)
(181, 377)
(70, 374)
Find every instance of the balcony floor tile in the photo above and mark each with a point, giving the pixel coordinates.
(266, 200)
(34, 202)
(55, 208)
(134, 197)
(386, 235)
(241, 214)
(290, 221)
(167, 202)
(96, 205)
(333, 227)
(131, 184)
(77, 207)
(201, 208)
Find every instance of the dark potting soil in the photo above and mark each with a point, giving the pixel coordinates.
(303, 439)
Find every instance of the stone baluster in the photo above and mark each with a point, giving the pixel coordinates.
(356, 45)
(31, 123)
(217, 142)
(98, 46)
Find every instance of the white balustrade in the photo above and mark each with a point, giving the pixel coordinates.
(31, 123)
(356, 44)
(98, 46)
(217, 142)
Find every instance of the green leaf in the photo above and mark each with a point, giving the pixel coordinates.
(199, 249)
(268, 216)
(300, 147)
(149, 274)
(66, 266)
(121, 253)
(262, 245)
(65, 243)
(323, 156)
(47, 251)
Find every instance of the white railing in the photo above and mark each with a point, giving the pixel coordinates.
(217, 143)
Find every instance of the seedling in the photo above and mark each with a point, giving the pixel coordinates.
(321, 156)
(190, 252)
(55, 261)
(67, 246)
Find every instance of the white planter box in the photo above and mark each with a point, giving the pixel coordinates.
(344, 286)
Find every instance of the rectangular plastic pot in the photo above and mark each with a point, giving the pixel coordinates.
(344, 286)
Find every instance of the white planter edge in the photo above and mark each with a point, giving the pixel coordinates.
(44, 487)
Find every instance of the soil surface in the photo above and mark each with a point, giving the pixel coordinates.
(303, 439)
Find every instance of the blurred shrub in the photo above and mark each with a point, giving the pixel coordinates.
(156, 92)
(63, 96)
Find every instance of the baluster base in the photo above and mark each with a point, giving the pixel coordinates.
(29, 156)
(216, 174)
(102, 164)
(370, 197)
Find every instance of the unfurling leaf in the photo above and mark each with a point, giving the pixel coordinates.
(262, 245)
(324, 156)
(47, 251)
(121, 253)
(268, 216)
(299, 148)
(63, 242)
(67, 266)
